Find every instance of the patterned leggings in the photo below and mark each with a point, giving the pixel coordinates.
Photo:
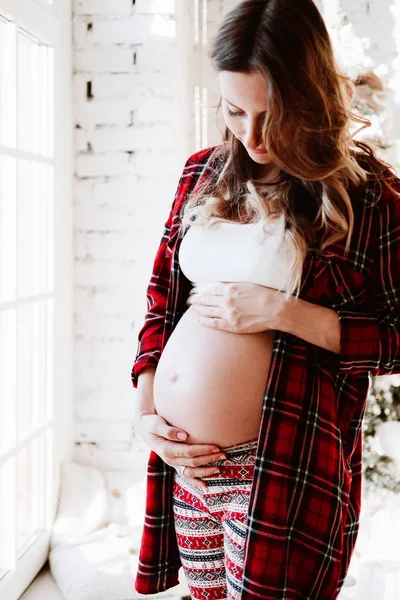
(210, 525)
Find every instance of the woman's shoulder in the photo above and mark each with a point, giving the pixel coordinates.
(379, 189)
(207, 155)
(201, 166)
(198, 167)
(390, 194)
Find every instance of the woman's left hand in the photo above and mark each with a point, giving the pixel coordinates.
(238, 307)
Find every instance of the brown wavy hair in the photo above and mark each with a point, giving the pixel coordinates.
(306, 131)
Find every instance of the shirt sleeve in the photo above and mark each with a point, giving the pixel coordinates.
(371, 341)
(150, 336)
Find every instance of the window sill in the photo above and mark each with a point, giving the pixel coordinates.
(43, 587)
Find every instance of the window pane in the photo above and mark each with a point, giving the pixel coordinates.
(7, 228)
(8, 85)
(32, 370)
(35, 228)
(35, 95)
(49, 393)
(7, 378)
(7, 515)
(27, 168)
(31, 461)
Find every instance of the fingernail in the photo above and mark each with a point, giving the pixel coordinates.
(216, 471)
(181, 435)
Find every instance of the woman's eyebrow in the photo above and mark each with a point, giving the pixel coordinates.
(229, 102)
(238, 107)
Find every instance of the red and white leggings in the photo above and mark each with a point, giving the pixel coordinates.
(210, 525)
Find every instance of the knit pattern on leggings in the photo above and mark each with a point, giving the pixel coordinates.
(210, 525)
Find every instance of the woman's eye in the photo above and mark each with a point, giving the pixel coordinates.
(232, 114)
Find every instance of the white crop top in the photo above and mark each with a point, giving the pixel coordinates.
(237, 252)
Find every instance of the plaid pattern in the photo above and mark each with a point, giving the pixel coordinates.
(304, 507)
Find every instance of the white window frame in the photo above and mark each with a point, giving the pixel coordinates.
(52, 24)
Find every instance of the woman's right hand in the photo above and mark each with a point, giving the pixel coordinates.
(161, 437)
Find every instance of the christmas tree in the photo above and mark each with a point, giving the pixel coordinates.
(381, 435)
(381, 442)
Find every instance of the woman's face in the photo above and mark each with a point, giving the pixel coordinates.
(244, 98)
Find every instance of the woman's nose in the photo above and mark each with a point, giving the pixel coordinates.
(252, 137)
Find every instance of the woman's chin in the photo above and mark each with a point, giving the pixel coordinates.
(261, 159)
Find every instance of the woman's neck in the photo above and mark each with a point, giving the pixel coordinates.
(268, 172)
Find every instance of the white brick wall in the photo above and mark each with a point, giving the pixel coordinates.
(133, 133)
(103, 8)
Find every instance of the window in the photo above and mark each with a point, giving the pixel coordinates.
(35, 167)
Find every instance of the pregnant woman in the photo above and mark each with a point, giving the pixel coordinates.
(274, 295)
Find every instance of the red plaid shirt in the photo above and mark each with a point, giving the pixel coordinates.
(304, 507)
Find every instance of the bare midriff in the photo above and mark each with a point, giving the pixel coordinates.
(211, 382)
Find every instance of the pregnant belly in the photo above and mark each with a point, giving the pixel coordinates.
(211, 383)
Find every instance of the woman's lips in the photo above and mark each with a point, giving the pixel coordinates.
(262, 151)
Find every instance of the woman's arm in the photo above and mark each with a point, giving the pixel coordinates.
(364, 341)
(150, 336)
(315, 324)
(145, 404)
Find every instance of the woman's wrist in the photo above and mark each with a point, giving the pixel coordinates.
(143, 413)
(318, 325)
(144, 394)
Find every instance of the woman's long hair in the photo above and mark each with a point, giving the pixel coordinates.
(306, 132)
